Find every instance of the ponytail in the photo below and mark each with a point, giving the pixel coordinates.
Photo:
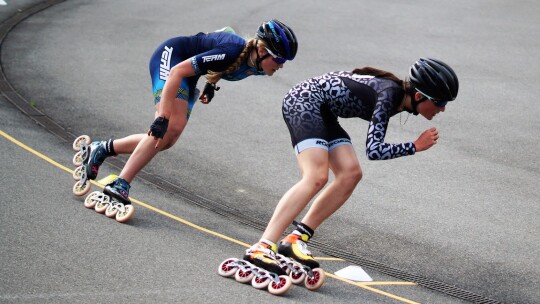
(408, 88)
(378, 73)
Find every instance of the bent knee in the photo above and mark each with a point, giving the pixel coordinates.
(350, 177)
(174, 132)
(355, 174)
(167, 146)
(171, 137)
(317, 181)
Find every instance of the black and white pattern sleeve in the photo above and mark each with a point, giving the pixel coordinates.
(376, 148)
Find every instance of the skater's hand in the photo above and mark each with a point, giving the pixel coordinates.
(208, 92)
(158, 129)
(427, 139)
(204, 99)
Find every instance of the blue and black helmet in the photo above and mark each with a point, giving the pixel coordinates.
(279, 38)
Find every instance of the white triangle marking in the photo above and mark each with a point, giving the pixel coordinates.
(354, 273)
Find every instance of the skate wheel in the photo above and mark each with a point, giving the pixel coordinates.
(316, 281)
(80, 188)
(228, 267)
(297, 275)
(243, 275)
(279, 288)
(124, 216)
(261, 281)
(92, 199)
(78, 173)
(111, 210)
(77, 143)
(78, 159)
(102, 204)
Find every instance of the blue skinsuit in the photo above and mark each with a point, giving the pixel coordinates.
(214, 51)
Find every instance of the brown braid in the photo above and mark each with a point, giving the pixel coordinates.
(214, 77)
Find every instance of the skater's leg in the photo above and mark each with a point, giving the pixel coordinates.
(145, 150)
(344, 164)
(314, 168)
(127, 145)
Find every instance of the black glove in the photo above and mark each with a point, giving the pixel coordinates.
(208, 90)
(159, 127)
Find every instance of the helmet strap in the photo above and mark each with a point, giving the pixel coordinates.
(259, 59)
(415, 103)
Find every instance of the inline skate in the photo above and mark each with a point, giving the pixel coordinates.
(297, 261)
(88, 157)
(113, 201)
(259, 267)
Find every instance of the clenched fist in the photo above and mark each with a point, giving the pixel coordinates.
(427, 139)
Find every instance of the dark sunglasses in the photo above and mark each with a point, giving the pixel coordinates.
(438, 103)
(276, 58)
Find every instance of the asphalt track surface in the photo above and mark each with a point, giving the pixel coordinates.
(463, 215)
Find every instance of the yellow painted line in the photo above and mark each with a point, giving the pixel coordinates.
(328, 259)
(190, 224)
(108, 179)
(20, 144)
(364, 285)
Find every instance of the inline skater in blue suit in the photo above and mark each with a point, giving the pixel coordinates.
(175, 67)
(311, 110)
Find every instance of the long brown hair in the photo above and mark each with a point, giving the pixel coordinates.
(214, 77)
(377, 73)
(405, 84)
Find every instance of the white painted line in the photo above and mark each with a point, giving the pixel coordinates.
(2, 2)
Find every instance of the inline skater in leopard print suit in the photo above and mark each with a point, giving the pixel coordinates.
(311, 110)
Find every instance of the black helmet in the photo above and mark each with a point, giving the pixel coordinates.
(280, 39)
(434, 79)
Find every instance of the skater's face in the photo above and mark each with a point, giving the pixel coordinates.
(271, 63)
(429, 108)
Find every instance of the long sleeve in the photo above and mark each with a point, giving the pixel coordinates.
(376, 148)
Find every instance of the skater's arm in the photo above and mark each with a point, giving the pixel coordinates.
(170, 90)
(376, 147)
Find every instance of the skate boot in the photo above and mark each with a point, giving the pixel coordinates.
(90, 158)
(114, 201)
(292, 246)
(262, 255)
(260, 267)
(295, 257)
